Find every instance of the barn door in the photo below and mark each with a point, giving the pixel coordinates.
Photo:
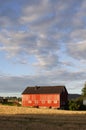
(36, 102)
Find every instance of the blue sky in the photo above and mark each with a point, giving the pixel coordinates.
(42, 43)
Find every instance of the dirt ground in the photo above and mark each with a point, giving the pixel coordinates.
(20, 118)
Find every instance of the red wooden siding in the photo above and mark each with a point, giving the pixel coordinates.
(48, 100)
(45, 96)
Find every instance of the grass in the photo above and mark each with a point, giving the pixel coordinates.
(23, 118)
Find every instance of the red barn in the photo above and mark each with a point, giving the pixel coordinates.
(45, 96)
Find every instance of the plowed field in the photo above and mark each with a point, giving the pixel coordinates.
(22, 118)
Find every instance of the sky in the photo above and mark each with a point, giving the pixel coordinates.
(42, 42)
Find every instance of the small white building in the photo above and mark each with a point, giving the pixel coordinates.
(84, 101)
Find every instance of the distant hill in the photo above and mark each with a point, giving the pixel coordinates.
(73, 96)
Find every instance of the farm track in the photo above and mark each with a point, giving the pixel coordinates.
(40, 119)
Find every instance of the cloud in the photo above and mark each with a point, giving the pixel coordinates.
(28, 43)
(17, 84)
(39, 27)
(48, 35)
(48, 62)
(78, 51)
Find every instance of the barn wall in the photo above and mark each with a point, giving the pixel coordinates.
(48, 100)
(64, 99)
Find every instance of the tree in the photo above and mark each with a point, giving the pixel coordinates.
(74, 105)
(84, 90)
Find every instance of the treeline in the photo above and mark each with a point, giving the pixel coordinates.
(78, 103)
(11, 101)
(14, 98)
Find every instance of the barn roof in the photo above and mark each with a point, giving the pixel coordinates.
(44, 90)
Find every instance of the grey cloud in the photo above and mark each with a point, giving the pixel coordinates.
(48, 62)
(9, 14)
(44, 49)
(78, 35)
(66, 76)
(18, 83)
(78, 51)
(11, 11)
(48, 24)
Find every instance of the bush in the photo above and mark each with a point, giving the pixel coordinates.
(76, 104)
(12, 103)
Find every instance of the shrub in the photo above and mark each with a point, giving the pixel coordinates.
(74, 105)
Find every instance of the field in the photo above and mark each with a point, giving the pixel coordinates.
(22, 118)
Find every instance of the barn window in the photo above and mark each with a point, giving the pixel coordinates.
(55, 101)
(49, 101)
(36, 101)
(43, 101)
(29, 101)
